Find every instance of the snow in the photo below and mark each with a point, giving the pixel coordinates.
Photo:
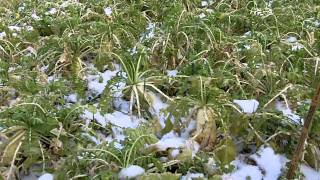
(175, 153)
(116, 118)
(248, 106)
(2, 35)
(291, 39)
(287, 112)
(29, 28)
(263, 159)
(21, 8)
(191, 176)
(170, 140)
(204, 3)
(202, 15)
(46, 176)
(247, 47)
(14, 28)
(193, 146)
(150, 28)
(243, 172)
(172, 73)
(51, 11)
(157, 106)
(119, 122)
(133, 51)
(122, 120)
(295, 46)
(309, 173)
(132, 171)
(98, 82)
(31, 51)
(92, 138)
(107, 11)
(247, 34)
(264, 170)
(72, 98)
(121, 105)
(35, 16)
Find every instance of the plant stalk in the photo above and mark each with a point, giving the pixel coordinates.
(304, 134)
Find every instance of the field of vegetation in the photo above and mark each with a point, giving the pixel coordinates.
(157, 89)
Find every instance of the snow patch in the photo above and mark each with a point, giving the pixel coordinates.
(170, 140)
(247, 106)
(268, 167)
(295, 45)
(46, 176)
(132, 171)
(157, 106)
(191, 176)
(72, 98)
(35, 17)
(172, 73)
(287, 112)
(116, 118)
(204, 3)
(98, 82)
(14, 28)
(263, 159)
(2, 35)
(202, 15)
(175, 153)
(309, 173)
(51, 11)
(107, 11)
(244, 171)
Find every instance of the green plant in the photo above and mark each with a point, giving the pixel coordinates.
(137, 82)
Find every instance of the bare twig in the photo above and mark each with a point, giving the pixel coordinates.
(304, 134)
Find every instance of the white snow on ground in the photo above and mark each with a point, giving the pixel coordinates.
(116, 118)
(98, 82)
(46, 176)
(175, 153)
(267, 161)
(151, 30)
(173, 141)
(295, 46)
(243, 171)
(263, 159)
(92, 138)
(107, 11)
(247, 106)
(172, 73)
(2, 35)
(121, 105)
(72, 98)
(291, 39)
(170, 140)
(119, 122)
(191, 176)
(51, 11)
(287, 112)
(309, 173)
(204, 3)
(14, 28)
(157, 106)
(35, 17)
(132, 171)
(192, 146)
(202, 15)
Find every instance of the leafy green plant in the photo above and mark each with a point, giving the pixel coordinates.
(138, 83)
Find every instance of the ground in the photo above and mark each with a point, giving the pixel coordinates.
(103, 89)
